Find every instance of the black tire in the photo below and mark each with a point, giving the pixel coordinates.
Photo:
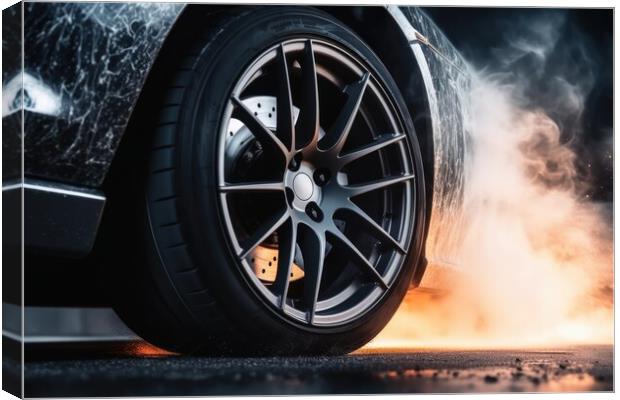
(188, 294)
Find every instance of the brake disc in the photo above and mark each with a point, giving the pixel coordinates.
(264, 259)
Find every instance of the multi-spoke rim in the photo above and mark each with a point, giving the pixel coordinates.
(332, 123)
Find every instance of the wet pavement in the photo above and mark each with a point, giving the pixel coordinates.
(136, 369)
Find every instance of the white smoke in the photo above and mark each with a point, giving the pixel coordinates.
(537, 254)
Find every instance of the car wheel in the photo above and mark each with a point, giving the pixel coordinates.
(283, 207)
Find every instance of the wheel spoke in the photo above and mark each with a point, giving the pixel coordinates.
(262, 233)
(312, 245)
(287, 239)
(338, 134)
(264, 135)
(378, 144)
(285, 128)
(377, 229)
(362, 261)
(356, 190)
(253, 187)
(308, 119)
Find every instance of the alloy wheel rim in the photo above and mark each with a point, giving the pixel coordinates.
(308, 171)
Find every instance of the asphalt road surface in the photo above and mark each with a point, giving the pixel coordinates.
(136, 369)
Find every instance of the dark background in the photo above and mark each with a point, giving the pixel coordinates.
(582, 55)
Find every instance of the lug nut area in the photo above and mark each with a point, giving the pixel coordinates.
(314, 212)
(295, 163)
(321, 177)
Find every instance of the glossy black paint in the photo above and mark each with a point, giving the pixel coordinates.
(94, 58)
(59, 221)
(11, 67)
(447, 84)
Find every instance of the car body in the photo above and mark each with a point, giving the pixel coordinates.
(88, 71)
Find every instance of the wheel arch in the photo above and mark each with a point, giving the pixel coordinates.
(130, 149)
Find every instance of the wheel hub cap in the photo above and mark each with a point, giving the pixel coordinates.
(303, 186)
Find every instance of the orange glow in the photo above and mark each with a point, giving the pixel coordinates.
(144, 349)
(534, 255)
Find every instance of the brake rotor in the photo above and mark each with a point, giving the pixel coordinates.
(264, 259)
